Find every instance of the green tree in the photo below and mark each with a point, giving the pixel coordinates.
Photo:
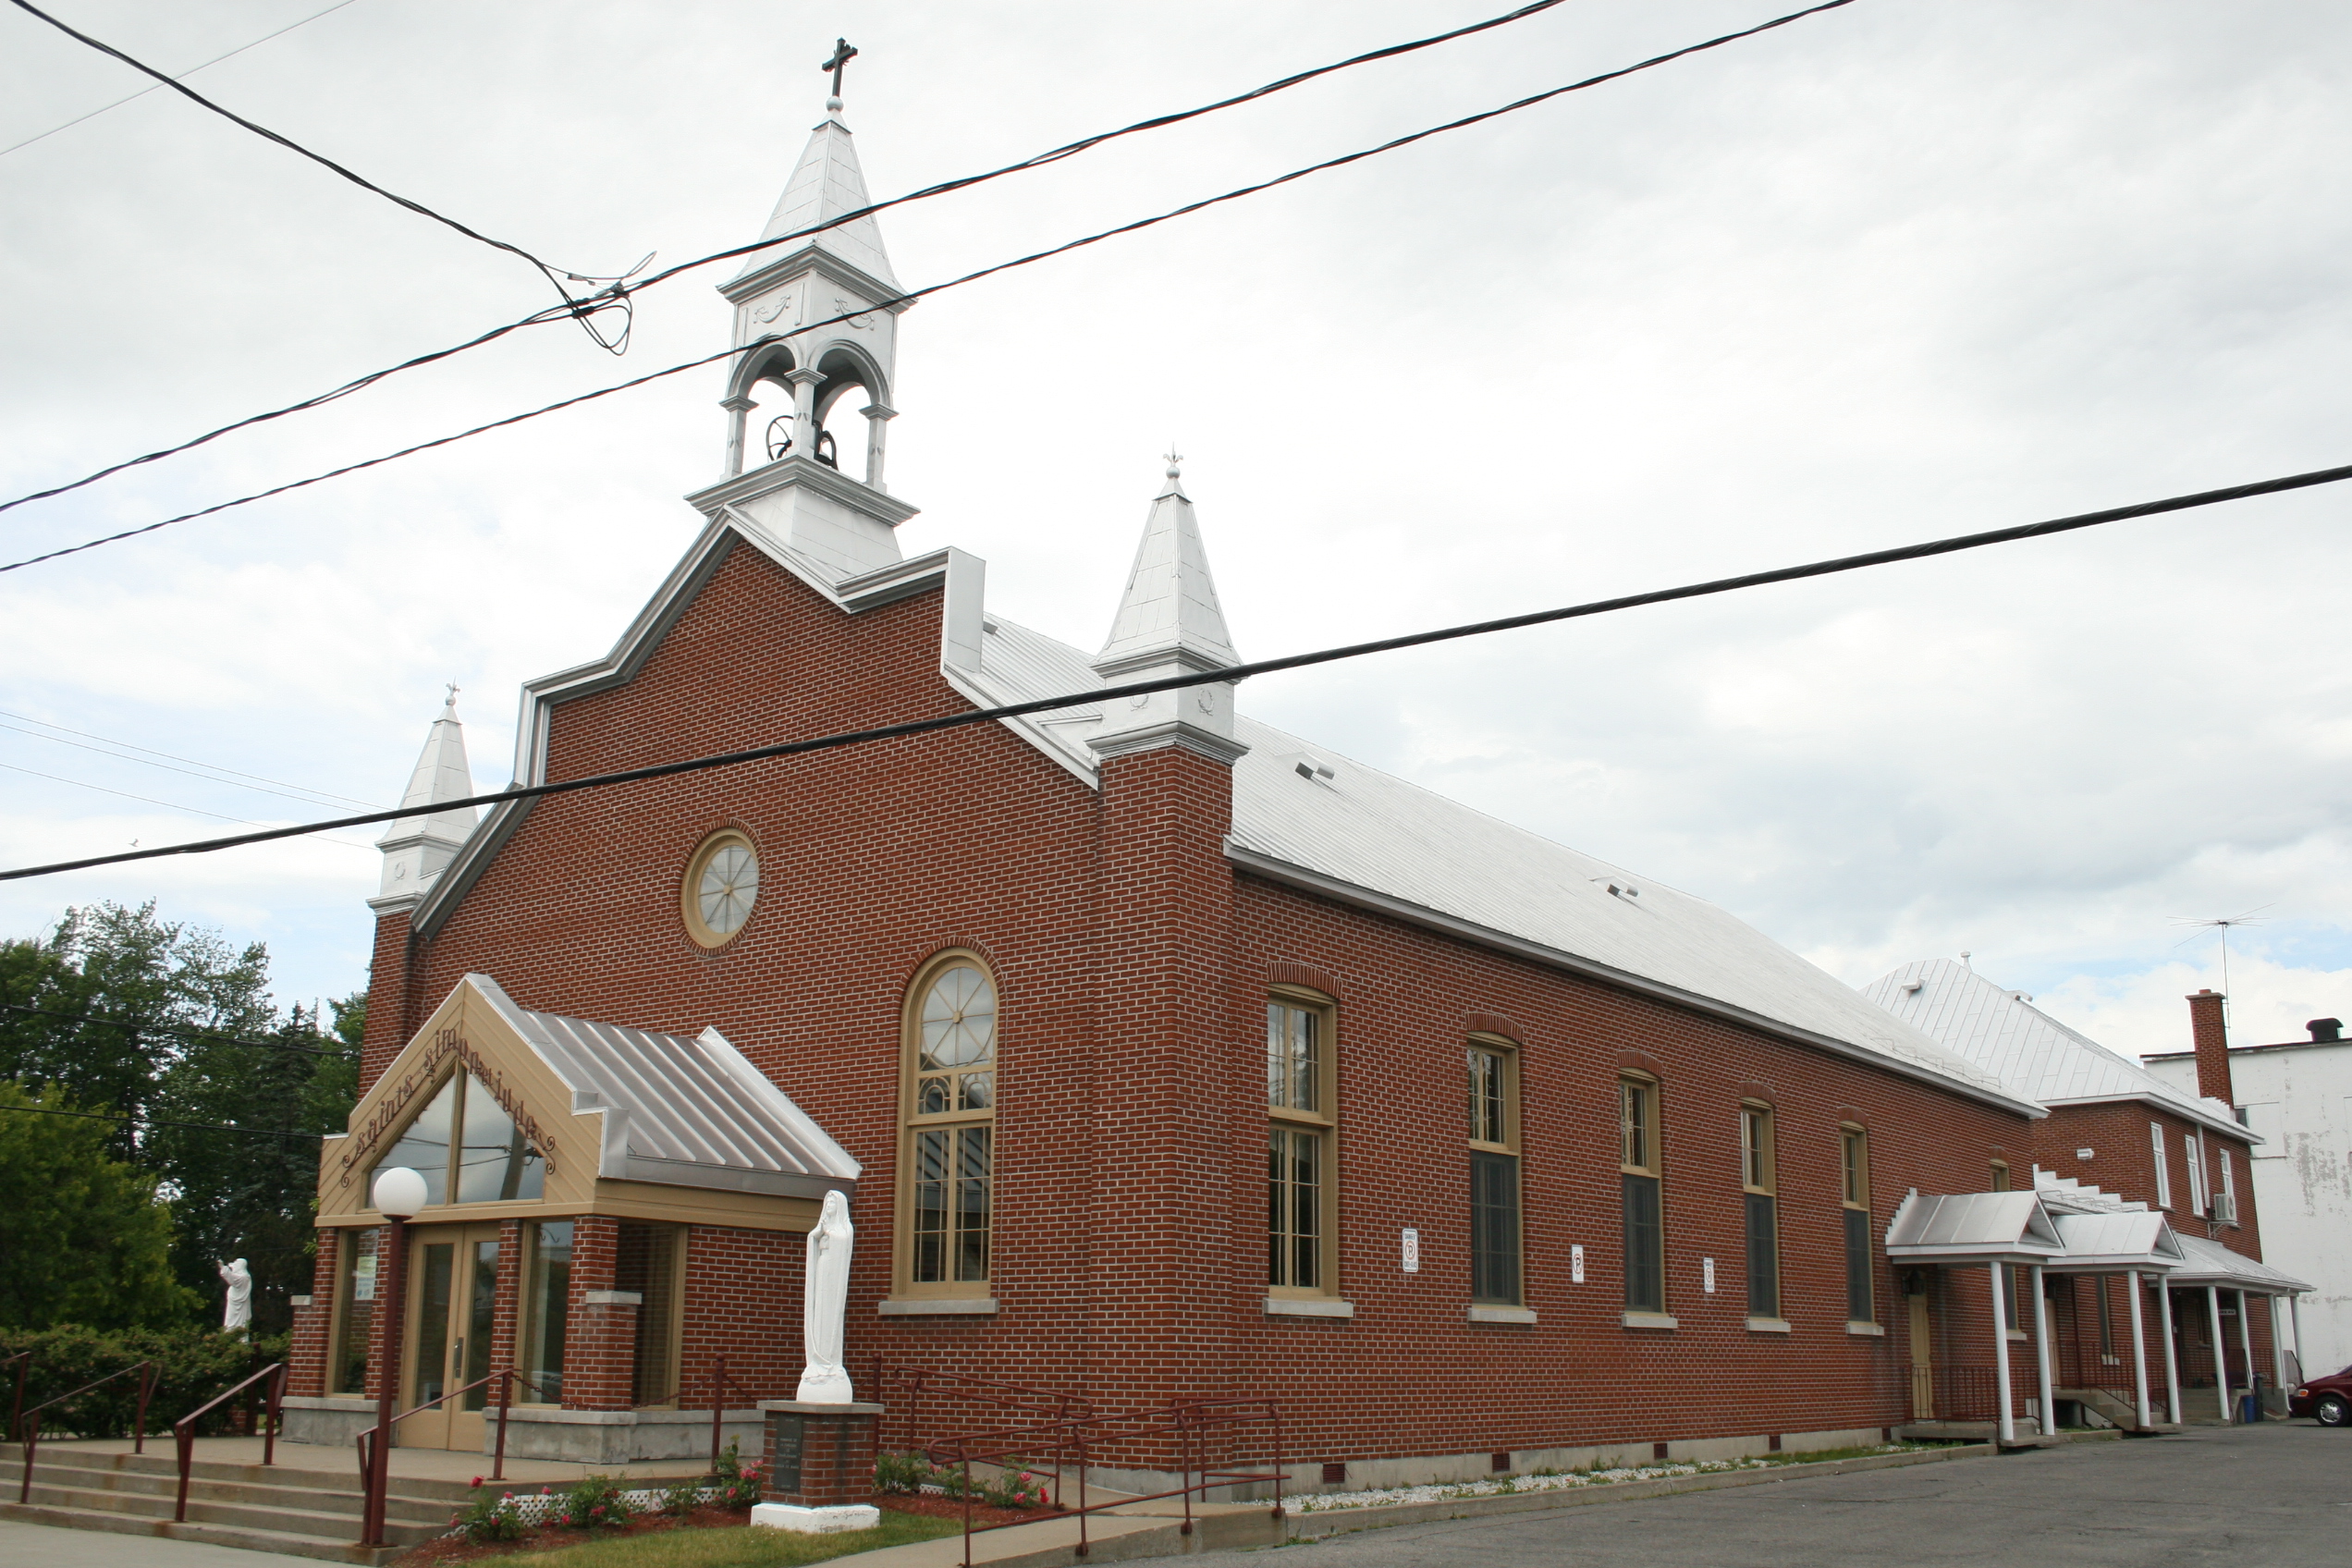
(85, 1238)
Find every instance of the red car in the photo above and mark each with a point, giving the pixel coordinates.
(2328, 1399)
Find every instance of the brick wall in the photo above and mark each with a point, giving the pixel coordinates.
(742, 1301)
(2123, 1162)
(1132, 963)
(306, 1365)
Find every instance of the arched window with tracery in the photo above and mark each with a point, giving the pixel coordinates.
(947, 1184)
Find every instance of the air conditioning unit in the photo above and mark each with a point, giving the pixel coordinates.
(2225, 1207)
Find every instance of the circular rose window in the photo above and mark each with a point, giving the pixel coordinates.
(722, 883)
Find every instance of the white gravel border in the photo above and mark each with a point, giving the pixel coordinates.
(1508, 1485)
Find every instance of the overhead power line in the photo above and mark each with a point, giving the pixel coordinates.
(174, 756)
(911, 295)
(162, 1122)
(555, 276)
(308, 798)
(153, 801)
(192, 71)
(187, 1031)
(1830, 567)
(1038, 160)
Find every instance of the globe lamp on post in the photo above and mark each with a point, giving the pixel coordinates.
(399, 1193)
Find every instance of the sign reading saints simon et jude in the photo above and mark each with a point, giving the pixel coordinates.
(425, 1073)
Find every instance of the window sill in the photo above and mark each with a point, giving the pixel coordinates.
(1652, 1320)
(943, 1306)
(1768, 1326)
(1873, 1331)
(1502, 1314)
(1308, 1306)
(2018, 1335)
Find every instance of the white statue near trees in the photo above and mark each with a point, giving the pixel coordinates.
(238, 1314)
(825, 1305)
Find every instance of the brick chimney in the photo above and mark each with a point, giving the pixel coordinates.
(2211, 1035)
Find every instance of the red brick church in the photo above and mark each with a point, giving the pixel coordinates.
(1161, 1054)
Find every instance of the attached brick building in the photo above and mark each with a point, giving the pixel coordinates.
(1167, 1056)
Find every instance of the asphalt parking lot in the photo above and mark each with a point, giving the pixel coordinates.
(2277, 1492)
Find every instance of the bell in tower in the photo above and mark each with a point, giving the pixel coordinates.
(816, 326)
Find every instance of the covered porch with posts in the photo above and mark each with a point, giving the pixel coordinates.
(2217, 1326)
(2021, 1248)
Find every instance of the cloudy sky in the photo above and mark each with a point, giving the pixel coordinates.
(1896, 272)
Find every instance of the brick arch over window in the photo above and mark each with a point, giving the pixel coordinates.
(1493, 1023)
(1640, 1062)
(1758, 1090)
(1853, 1116)
(1304, 975)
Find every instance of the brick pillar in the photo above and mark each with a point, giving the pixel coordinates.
(600, 1351)
(389, 991)
(2210, 1034)
(818, 1461)
(1176, 1110)
(389, 1317)
(306, 1356)
(506, 1305)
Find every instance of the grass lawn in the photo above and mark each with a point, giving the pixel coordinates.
(740, 1547)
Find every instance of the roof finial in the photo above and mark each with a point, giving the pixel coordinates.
(453, 699)
(843, 53)
(1175, 461)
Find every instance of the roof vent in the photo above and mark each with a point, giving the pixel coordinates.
(1913, 987)
(2326, 1028)
(1311, 771)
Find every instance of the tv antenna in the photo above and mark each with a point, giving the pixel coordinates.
(2224, 924)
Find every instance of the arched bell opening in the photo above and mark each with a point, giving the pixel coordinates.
(851, 408)
(763, 380)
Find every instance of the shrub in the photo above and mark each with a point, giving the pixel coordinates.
(488, 1518)
(1014, 1488)
(684, 1497)
(192, 1366)
(592, 1502)
(739, 1485)
(902, 1473)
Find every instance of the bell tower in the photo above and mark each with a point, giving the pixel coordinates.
(815, 324)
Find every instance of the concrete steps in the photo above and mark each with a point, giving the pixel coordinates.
(254, 1507)
(2121, 1413)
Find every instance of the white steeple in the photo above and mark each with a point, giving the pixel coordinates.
(818, 320)
(417, 848)
(1169, 624)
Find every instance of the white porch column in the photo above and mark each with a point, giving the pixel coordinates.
(2139, 1354)
(2221, 1351)
(2278, 1347)
(2048, 1421)
(2246, 1341)
(2001, 1354)
(2172, 1361)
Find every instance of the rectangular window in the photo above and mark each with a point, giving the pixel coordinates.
(2009, 1289)
(546, 1310)
(2106, 1318)
(1494, 1173)
(354, 1311)
(1640, 1168)
(1757, 1198)
(1299, 1206)
(1854, 1194)
(952, 1190)
(2164, 1177)
(2229, 1188)
(2192, 1153)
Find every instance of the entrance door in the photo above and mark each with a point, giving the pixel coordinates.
(453, 1286)
(1922, 1359)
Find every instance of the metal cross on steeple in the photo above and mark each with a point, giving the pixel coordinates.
(843, 53)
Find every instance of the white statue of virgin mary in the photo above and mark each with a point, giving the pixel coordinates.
(825, 1304)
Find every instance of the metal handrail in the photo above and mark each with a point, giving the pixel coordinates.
(184, 1429)
(721, 1383)
(29, 1429)
(22, 1362)
(1067, 1442)
(505, 1378)
(1047, 1404)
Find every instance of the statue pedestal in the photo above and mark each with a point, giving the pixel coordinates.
(819, 1462)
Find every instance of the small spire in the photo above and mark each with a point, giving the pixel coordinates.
(1170, 609)
(418, 845)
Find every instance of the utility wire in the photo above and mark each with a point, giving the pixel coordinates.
(620, 291)
(160, 1121)
(555, 276)
(174, 756)
(189, 1031)
(192, 71)
(312, 799)
(150, 800)
(908, 297)
(1263, 666)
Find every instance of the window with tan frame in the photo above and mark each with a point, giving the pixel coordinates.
(946, 1154)
(1641, 1176)
(1302, 1155)
(1494, 1170)
(1759, 1202)
(1853, 1194)
(2009, 1293)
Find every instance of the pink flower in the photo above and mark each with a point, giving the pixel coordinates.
(477, 1480)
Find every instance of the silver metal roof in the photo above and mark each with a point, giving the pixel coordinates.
(2099, 1242)
(2210, 1263)
(1972, 1228)
(690, 1113)
(1422, 854)
(2001, 1033)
